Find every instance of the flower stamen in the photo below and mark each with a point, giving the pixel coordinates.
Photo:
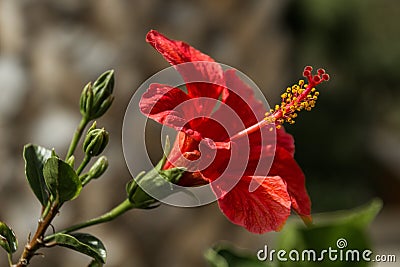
(301, 96)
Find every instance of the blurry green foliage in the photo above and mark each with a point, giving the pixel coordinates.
(348, 225)
(225, 255)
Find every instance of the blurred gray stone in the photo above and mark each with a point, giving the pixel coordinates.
(54, 128)
(13, 86)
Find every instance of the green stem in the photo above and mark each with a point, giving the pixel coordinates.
(85, 179)
(77, 136)
(85, 161)
(109, 216)
(9, 256)
(36, 242)
(47, 208)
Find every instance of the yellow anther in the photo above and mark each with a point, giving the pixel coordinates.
(293, 100)
(270, 119)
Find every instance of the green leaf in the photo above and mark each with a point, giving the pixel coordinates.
(83, 243)
(35, 157)
(7, 238)
(224, 255)
(350, 226)
(358, 217)
(61, 179)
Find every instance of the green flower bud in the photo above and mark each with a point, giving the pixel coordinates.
(96, 141)
(86, 100)
(154, 179)
(71, 161)
(97, 98)
(98, 168)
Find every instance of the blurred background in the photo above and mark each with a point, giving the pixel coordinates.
(348, 147)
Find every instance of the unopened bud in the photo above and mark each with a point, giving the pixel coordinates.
(86, 100)
(98, 168)
(153, 180)
(96, 141)
(97, 98)
(71, 161)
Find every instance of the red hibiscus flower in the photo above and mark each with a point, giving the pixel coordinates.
(238, 131)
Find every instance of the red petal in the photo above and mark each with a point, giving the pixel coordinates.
(190, 179)
(285, 140)
(160, 103)
(203, 77)
(175, 52)
(286, 167)
(266, 209)
(184, 147)
(240, 97)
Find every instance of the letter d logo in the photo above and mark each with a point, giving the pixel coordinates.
(262, 254)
